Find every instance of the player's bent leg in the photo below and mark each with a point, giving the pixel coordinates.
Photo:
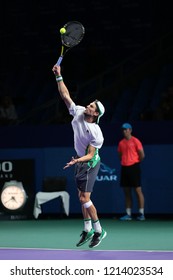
(86, 234)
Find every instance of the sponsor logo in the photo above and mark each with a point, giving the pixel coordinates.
(6, 170)
(106, 173)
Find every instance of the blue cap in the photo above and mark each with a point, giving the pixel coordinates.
(126, 126)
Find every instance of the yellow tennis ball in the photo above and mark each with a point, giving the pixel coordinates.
(62, 30)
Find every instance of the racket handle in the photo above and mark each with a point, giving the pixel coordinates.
(59, 61)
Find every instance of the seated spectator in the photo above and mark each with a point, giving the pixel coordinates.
(8, 114)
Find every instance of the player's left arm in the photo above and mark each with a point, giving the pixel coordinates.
(91, 151)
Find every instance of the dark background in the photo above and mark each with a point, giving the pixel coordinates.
(114, 30)
(125, 43)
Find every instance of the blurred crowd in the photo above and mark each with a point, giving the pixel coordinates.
(8, 112)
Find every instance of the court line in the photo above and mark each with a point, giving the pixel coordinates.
(77, 249)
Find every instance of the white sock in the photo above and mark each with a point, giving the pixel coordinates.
(141, 211)
(97, 226)
(129, 211)
(87, 225)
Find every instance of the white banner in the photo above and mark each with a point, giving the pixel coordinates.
(86, 270)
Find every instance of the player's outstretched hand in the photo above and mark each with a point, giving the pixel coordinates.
(72, 162)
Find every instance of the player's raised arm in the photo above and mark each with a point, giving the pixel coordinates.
(63, 90)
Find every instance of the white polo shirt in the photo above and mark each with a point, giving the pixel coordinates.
(85, 133)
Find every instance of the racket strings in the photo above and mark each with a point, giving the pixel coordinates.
(74, 34)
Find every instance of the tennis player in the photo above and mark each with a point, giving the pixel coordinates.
(88, 139)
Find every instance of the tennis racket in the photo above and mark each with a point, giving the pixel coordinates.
(72, 37)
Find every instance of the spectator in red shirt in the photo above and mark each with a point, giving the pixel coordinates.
(131, 153)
